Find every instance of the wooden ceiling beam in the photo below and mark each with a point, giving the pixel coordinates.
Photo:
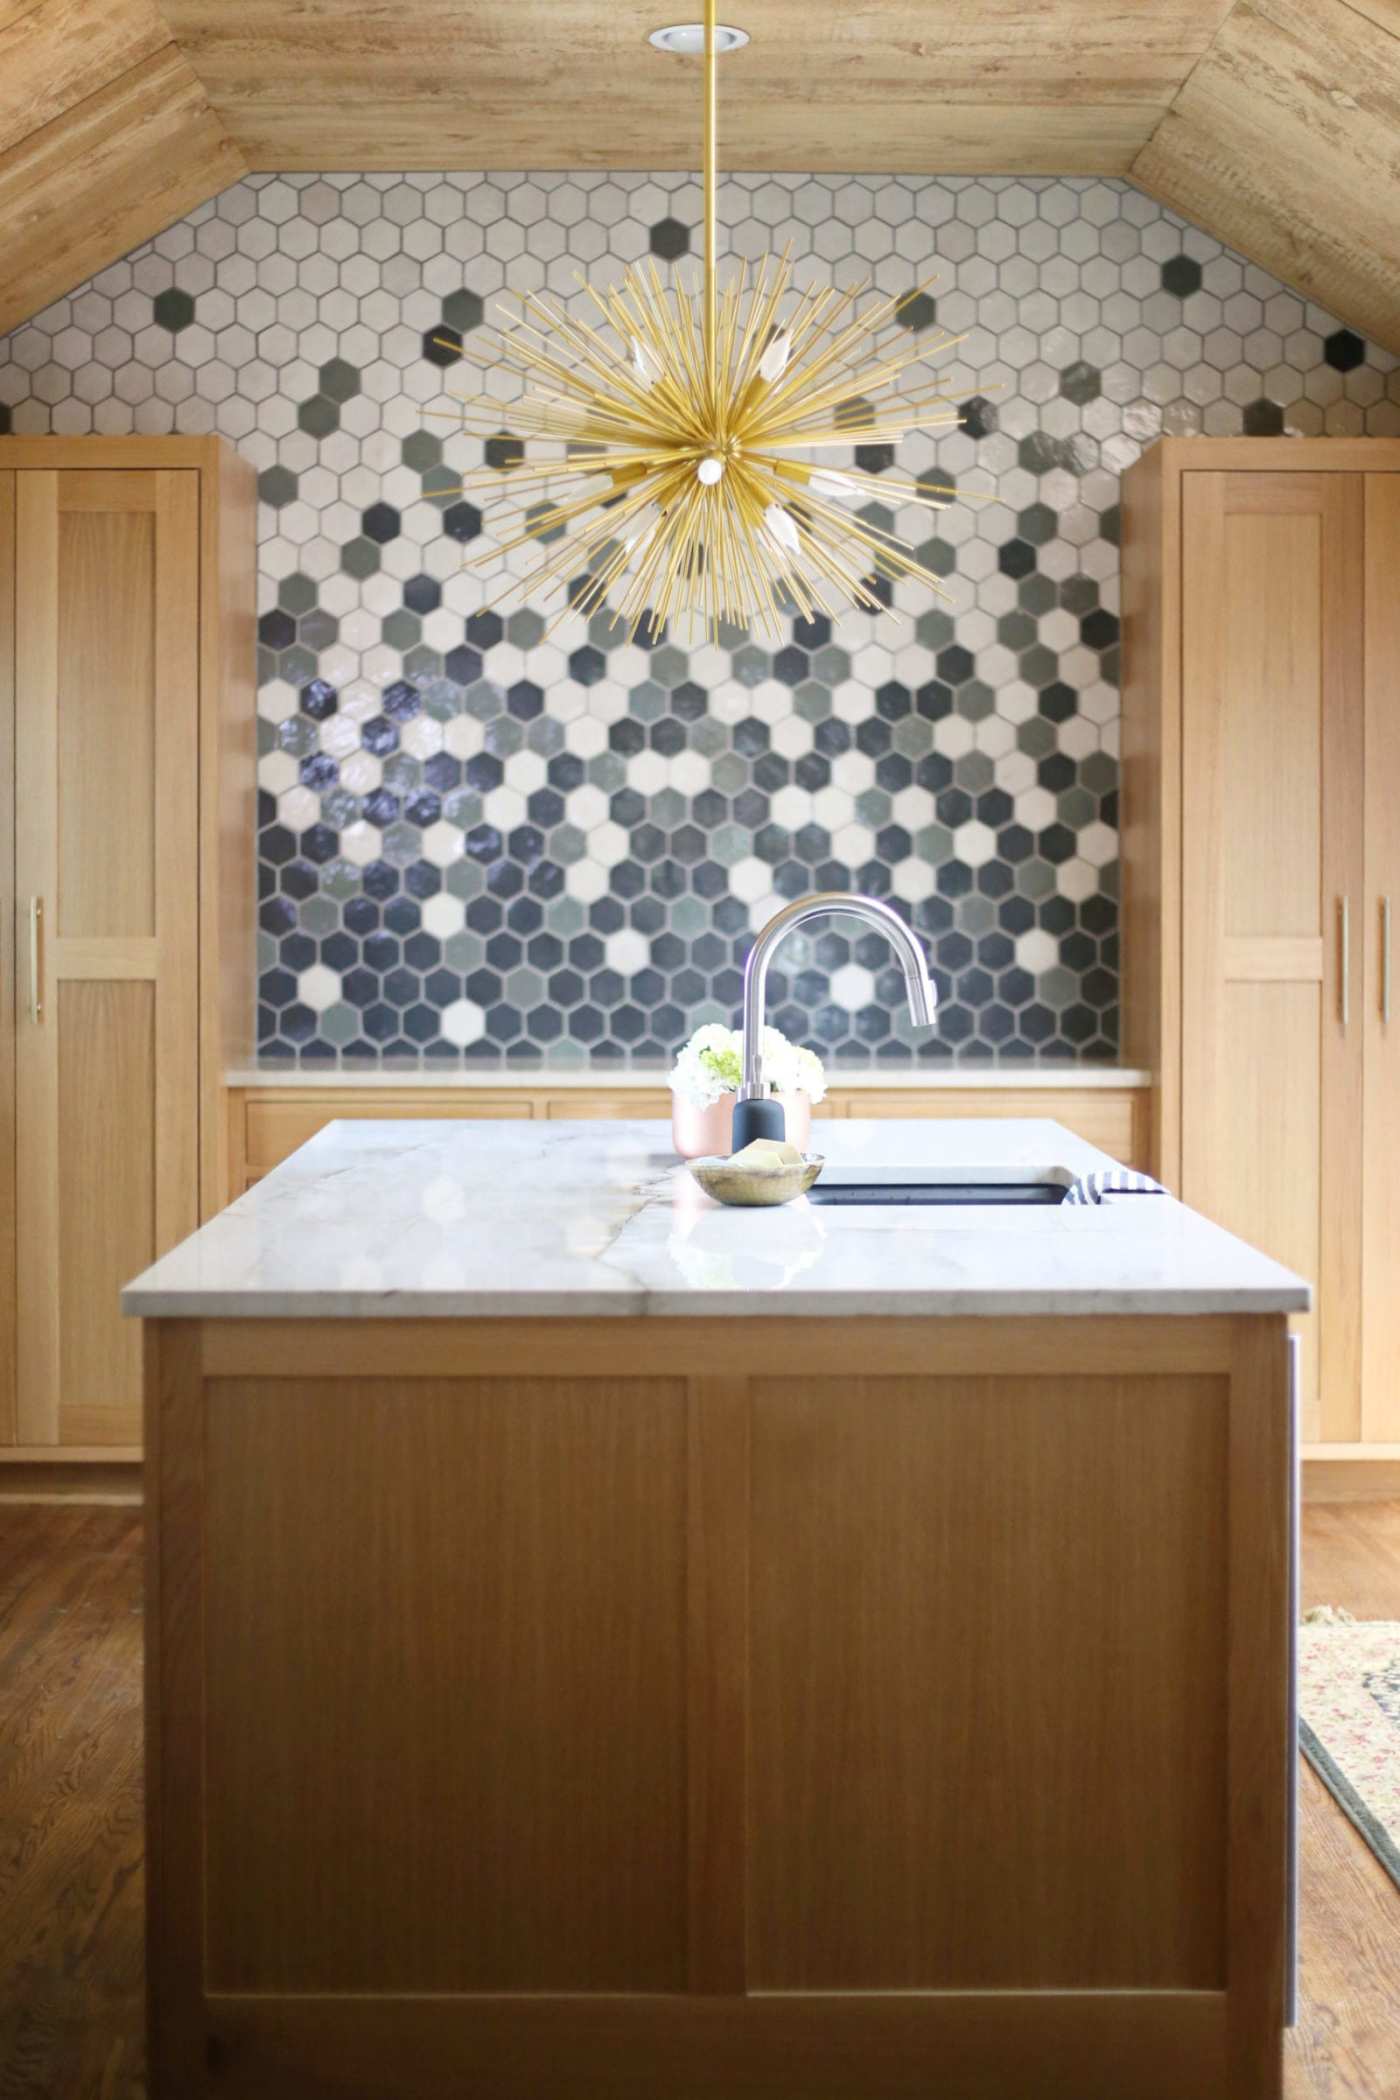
(1285, 143)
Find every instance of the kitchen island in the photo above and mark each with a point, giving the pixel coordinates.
(604, 1644)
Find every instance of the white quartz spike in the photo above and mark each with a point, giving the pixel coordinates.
(774, 361)
(636, 542)
(644, 362)
(826, 481)
(782, 528)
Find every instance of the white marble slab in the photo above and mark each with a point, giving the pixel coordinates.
(590, 1078)
(481, 1220)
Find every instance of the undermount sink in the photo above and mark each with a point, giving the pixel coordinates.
(864, 1193)
(849, 1188)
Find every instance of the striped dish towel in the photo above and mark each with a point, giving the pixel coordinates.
(1115, 1181)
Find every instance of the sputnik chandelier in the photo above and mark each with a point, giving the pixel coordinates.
(680, 429)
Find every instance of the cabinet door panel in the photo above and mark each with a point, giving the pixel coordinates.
(7, 960)
(105, 749)
(106, 727)
(1380, 1421)
(1272, 853)
(106, 1199)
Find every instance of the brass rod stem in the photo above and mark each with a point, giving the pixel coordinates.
(711, 189)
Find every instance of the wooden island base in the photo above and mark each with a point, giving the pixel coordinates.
(678, 1709)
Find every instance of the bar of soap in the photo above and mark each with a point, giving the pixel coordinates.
(767, 1155)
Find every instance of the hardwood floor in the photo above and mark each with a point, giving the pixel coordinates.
(70, 1819)
(71, 1886)
(1346, 2045)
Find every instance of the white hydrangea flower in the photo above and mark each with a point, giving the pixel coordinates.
(713, 1035)
(809, 1075)
(708, 1067)
(777, 1060)
(711, 1065)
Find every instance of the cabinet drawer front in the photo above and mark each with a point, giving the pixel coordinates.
(274, 1129)
(1114, 1120)
(624, 1106)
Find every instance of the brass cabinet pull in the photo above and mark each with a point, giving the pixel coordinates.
(36, 983)
(1385, 960)
(1344, 934)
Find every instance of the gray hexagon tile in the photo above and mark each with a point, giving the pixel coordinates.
(493, 833)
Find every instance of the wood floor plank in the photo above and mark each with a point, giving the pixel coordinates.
(1351, 1557)
(70, 1820)
(1346, 2045)
(71, 1839)
(46, 1701)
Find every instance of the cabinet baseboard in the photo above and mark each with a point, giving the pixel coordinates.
(109, 1478)
(1351, 1472)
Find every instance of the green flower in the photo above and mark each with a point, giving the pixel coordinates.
(724, 1064)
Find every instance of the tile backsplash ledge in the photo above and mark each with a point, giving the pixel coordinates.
(482, 839)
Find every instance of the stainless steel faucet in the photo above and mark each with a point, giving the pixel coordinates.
(749, 1123)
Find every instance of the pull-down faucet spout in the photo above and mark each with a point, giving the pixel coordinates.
(756, 1113)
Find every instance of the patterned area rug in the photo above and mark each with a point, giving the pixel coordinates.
(1349, 1721)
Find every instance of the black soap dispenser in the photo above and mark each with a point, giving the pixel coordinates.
(762, 1117)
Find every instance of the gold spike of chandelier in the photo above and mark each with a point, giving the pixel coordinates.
(680, 429)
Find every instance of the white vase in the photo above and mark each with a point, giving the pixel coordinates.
(703, 1133)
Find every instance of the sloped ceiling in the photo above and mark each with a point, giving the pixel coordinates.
(106, 135)
(920, 85)
(1274, 124)
(1285, 142)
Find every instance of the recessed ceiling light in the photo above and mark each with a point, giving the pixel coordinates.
(689, 38)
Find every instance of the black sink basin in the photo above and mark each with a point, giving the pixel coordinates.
(1022, 1194)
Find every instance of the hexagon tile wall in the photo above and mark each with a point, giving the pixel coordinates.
(482, 839)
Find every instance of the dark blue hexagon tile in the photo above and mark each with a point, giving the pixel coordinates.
(485, 832)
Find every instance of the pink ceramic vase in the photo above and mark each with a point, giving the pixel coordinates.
(703, 1133)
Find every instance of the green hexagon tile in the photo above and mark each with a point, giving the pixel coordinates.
(480, 838)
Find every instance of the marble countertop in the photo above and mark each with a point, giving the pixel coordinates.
(544, 1078)
(539, 1220)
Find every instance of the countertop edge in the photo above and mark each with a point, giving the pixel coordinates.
(718, 1305)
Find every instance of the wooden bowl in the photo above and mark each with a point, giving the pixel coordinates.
(754, 1188)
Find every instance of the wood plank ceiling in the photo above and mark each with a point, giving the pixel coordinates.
(926, 85)
(106, 136)
(1274, 124)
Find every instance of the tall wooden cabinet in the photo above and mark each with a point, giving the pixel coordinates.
(1380, 1216)
(126, 721)
(1261, 806)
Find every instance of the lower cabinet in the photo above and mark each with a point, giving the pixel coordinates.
(267, 1124)
(890, 1707)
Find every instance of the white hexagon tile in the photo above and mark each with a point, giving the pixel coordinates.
(483, 836)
